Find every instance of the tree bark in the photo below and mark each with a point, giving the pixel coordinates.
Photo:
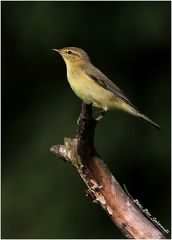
(102, 185)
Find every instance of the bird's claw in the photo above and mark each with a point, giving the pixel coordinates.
(99, 115)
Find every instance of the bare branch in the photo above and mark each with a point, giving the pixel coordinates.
(102, 185)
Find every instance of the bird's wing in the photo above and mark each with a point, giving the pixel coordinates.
(96, 75)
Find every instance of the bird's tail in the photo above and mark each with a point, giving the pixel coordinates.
(148, 120)
(130, 108)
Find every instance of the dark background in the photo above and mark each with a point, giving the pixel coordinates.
(43, 197)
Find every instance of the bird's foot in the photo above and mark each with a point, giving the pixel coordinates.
(99, 115)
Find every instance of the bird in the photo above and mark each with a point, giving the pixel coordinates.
(93, 86)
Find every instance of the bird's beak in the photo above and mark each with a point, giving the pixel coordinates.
(56, 50)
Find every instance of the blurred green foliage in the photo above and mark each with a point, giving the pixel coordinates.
(43, 197)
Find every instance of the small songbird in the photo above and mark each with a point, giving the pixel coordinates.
(91, 85)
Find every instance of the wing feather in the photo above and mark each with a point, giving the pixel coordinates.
(101, 79)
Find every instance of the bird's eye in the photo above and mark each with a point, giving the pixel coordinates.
(69, 52)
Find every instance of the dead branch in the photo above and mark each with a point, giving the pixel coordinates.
(102, 185)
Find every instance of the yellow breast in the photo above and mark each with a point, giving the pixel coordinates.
(89, 90)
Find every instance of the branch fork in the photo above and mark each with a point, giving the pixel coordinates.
(102, 186)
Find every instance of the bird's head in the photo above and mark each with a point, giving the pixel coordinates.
(72, 54)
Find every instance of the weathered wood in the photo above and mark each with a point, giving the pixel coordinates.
(102, 185)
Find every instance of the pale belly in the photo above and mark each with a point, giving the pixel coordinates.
(88, 90)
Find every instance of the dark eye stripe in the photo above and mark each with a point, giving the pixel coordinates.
(73, 53)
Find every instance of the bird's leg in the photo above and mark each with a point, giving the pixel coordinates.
(99, 115)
